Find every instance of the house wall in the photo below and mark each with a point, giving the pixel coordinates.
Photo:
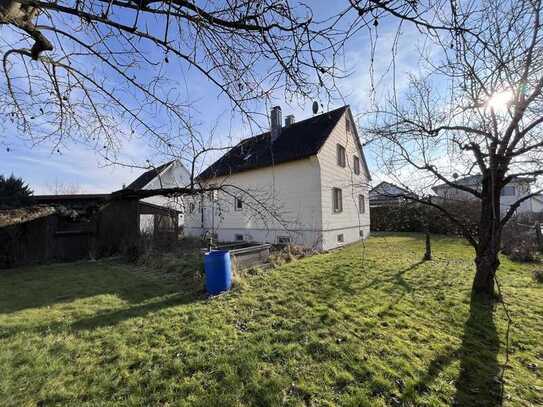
(291, 191)
(176, 175)
(522, 188)
(350, 222)
(300, 191)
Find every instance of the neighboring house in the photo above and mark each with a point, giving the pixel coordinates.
(387, 194)
(302, 183)
(169, 175)
(512, 192)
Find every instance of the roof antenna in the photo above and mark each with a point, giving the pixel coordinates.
(315, 107)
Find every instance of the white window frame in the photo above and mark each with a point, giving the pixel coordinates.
(340, 155)
(337, 201)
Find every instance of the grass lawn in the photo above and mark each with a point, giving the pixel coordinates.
(368, 325)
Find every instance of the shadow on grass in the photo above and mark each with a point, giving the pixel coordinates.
(479, 383)
(112, 318)
(48, 285)
(107, 318)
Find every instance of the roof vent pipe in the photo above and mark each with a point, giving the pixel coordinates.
(289, 120)
(276, 120)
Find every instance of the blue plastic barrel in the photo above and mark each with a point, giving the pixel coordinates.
(218, 271)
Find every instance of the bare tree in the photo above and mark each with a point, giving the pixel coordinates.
(477, 110)
(61, 188)
(101, 71)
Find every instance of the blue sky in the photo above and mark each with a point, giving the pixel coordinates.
(77, 165)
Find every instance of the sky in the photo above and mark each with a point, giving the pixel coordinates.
(81, 169)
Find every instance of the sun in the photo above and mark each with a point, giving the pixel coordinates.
(500, 101)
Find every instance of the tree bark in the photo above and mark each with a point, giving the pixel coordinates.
(428, 248)
(486, 259)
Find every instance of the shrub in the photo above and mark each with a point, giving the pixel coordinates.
(538, 276)
(521, 250)
(14, 193)
(416, 217)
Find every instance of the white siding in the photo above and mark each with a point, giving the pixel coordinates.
(349, 222)
(302, 193)
(176, 175)
(283, 200)
(522, 188)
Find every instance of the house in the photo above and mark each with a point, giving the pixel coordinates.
(303, 183)
(172, 174)
(512, 192)
(387, 194)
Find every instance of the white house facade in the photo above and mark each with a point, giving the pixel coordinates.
(304, 183)
(172, 174)
(516, 189)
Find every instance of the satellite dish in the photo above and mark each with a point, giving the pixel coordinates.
(315, 107)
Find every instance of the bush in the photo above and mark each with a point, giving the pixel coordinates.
(538, 276)
(521, 250)
(290, 253)
(416, 217)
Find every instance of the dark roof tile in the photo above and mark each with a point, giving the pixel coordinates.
(147, 177)
(297, 141)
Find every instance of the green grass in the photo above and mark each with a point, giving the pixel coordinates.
(364, 326)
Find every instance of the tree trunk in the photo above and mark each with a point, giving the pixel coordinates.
(428, 248)
(486, 266)
(489, 242)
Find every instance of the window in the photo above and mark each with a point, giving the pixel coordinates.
(361, 204)
(337, 200)
(340, 238)
(348, 125)
(238, 205)
(361, 233)
(508, 191)
(341, 155)
(239, 237)
(283, 240)
(192, 206)
(356, 165)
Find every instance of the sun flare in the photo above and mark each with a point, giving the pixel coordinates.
(499, 101)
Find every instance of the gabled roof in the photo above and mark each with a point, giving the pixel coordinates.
(475, 181)
(299, 140)
(148, 176)
(388, 190)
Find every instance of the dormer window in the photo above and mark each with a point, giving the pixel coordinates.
(341, 155)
